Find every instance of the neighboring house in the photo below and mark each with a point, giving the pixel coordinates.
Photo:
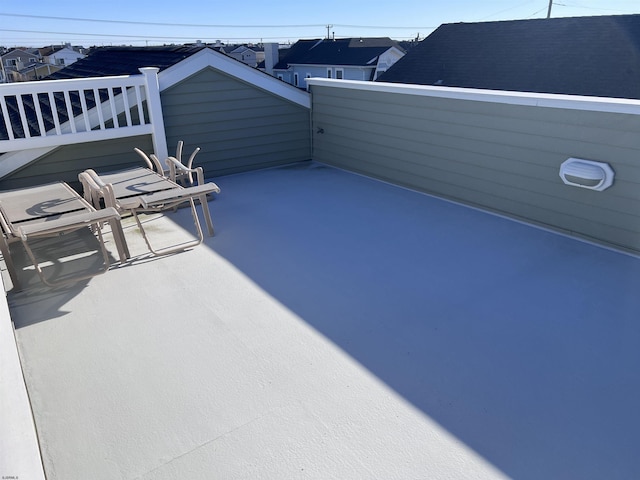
(593, 56)
(61, 55)
(14, 61)
(346, 58)
(38, 71)
(248, 54)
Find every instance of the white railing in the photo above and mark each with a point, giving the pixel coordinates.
(61, 112)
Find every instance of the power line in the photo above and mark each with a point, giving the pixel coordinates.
(141, 37)
(381, 27)
(537, 12)
(160, 24)
(195, 25)
(157, 38)
(573, 5)
(506, 10)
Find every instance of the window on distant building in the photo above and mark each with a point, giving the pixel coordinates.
(329, 73)
(295, 79)
(339, 73)
(60, 61)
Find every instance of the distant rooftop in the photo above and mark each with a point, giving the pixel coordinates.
(107, 61)
(593, 56)
(343, 51)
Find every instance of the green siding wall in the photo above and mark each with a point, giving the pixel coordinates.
(64, 163)
(497, 156)
(237, 125)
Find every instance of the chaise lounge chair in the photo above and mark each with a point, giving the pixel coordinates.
(52, 210)
(142, 190)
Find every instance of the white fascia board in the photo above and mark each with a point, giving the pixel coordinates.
(327, 65)
(208, 58)
(546, 100)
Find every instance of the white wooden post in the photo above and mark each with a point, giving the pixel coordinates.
(154, 108)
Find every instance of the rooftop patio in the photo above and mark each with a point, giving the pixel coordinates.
(339, 327)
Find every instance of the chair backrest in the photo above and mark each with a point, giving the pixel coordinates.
(178, 156)
(193, 155)
(90, 189)
(179, 150)
(152, 161)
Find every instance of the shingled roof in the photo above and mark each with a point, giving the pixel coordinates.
(344, 51)
(107, 61)
(594, 56)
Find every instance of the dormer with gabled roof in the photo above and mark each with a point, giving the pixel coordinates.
(61, 55)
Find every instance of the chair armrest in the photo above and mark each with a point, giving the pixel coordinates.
(69, 222)
(178, 169)
(178, 194)
(178, 165)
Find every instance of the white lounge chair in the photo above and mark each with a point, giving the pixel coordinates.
(52, 210)
(142, 190)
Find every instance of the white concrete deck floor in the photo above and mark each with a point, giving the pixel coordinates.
(337, 327)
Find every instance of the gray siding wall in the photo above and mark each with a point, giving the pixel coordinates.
(497, 156)
(238, 126)
(64, 163)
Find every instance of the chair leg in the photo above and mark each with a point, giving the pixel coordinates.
(120, 241)
(207, 213)
(175, 248)
(8, 261)
(105, 256)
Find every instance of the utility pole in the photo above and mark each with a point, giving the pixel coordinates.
(549, 10)
(328, 34)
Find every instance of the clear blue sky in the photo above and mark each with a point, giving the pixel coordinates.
(117, 22)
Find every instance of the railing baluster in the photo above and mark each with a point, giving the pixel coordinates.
(127, 107)
(36, 103)
(5, 116)
(96, 94)
(85, 110)
(114, 110)
(23, 117)
(67, 102)
(140, 106)
(54, 113)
